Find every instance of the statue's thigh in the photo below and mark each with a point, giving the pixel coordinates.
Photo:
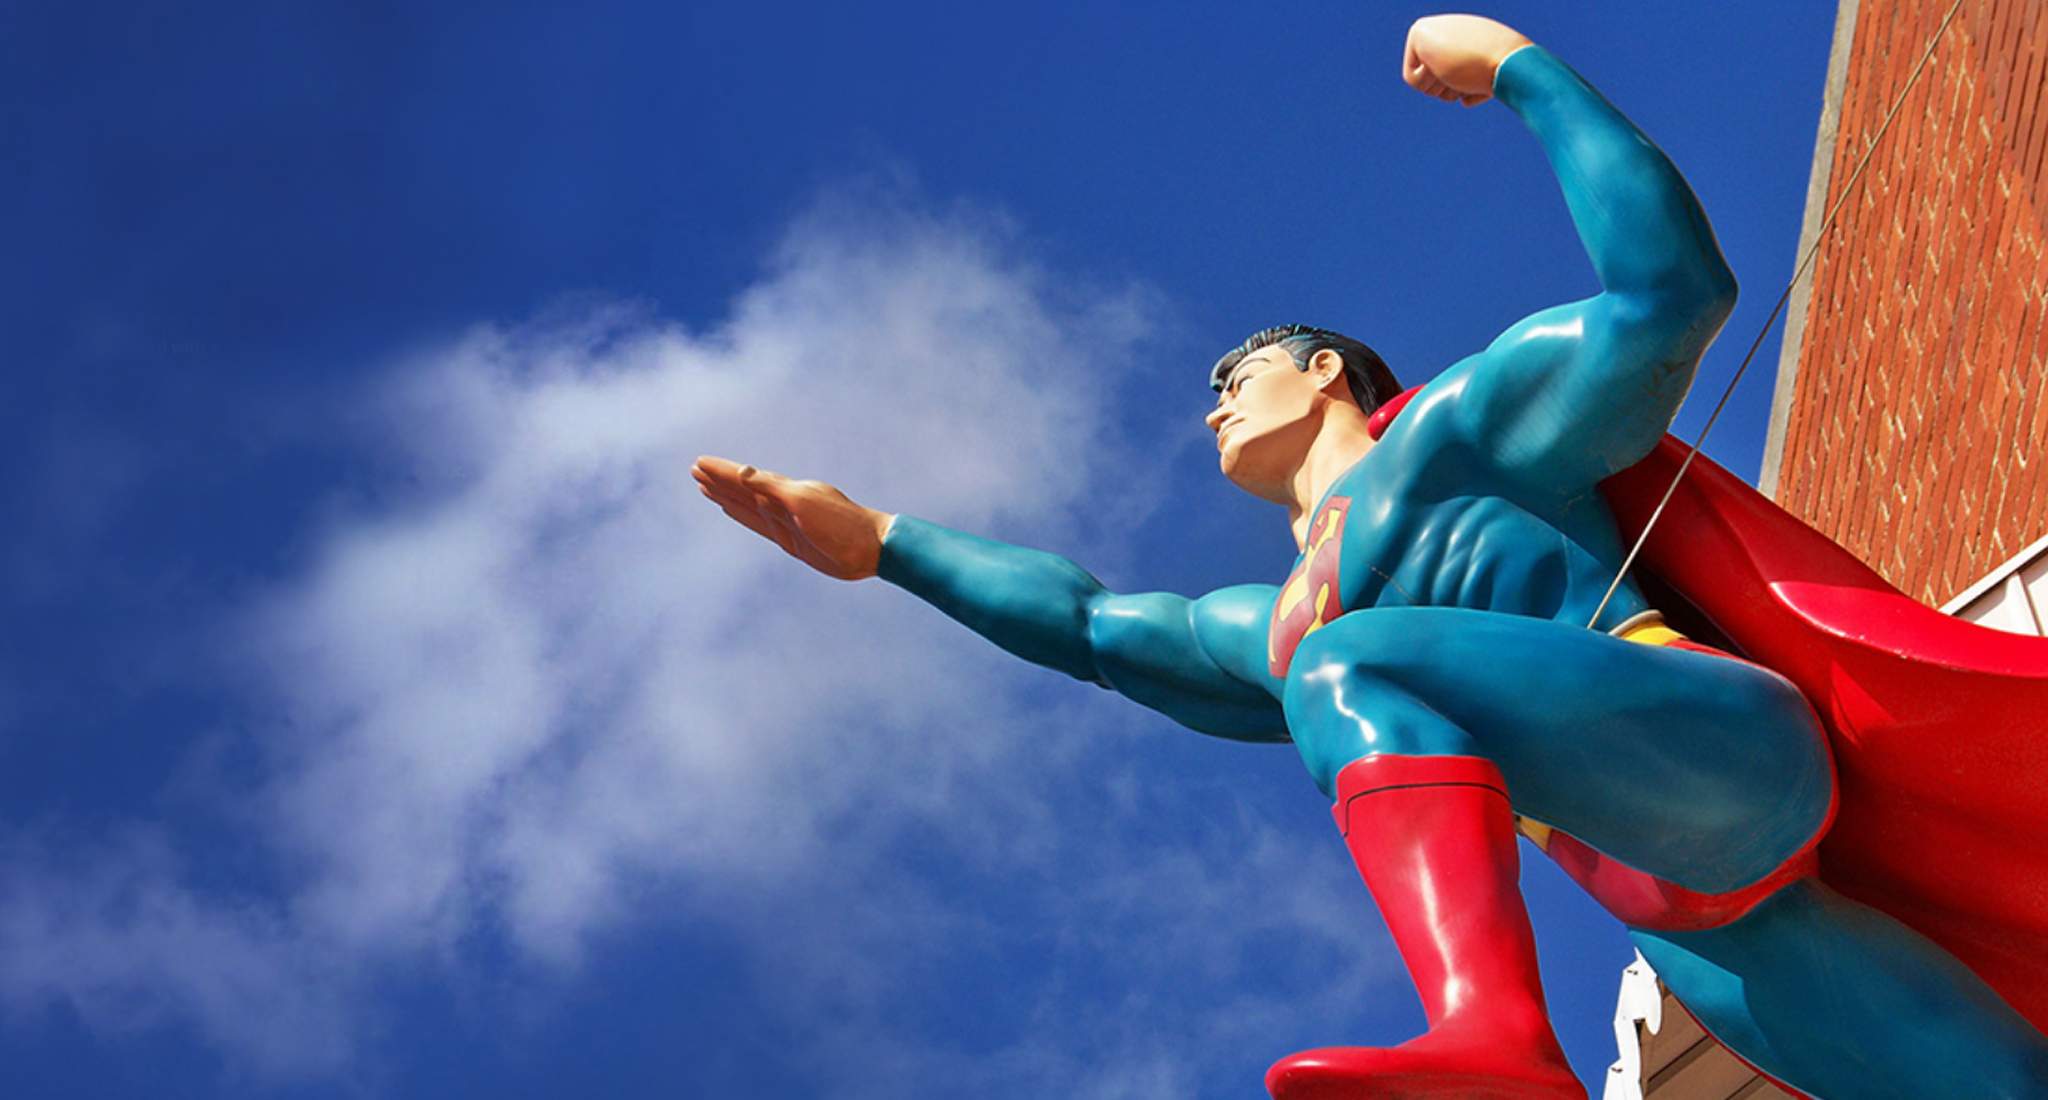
(1701, 769)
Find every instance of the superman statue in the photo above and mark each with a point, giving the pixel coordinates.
(1430, 657)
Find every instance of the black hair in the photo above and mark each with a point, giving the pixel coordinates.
(1371, 382)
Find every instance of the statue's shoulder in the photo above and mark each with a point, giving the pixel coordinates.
(1417, 450)
(1231, 625)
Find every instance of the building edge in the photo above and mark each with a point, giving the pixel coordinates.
(1817, 183)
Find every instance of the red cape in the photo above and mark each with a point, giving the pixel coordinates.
(1939, 726)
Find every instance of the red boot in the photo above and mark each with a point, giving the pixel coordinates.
(1435, 841)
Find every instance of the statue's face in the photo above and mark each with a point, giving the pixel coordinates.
(1266, 418)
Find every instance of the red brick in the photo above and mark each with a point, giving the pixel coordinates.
(1921, 408)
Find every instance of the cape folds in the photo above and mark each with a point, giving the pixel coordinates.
(1939, 726)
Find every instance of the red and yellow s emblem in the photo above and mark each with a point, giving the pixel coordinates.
(1310, 597)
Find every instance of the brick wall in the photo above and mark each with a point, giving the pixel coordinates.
(1912, 423)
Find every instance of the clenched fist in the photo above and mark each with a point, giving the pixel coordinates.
(1454, 57)
(812, 521)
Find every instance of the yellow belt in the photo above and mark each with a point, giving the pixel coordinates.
(1647, 628)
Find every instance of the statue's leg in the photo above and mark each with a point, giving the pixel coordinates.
(1698, 769)
(1431, 831)
(1702, 770)
(1838, 999)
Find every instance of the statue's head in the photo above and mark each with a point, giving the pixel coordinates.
(1274, 392)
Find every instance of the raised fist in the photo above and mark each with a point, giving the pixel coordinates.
(1454, 57)
(812, 521)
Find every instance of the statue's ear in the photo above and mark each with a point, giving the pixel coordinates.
(1327, 368)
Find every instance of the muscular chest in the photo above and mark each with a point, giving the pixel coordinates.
(1365, 549)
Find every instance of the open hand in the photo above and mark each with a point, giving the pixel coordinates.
(812, 521)
(1454, 57)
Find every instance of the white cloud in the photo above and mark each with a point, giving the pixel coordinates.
(109, 934)
(558, 666)
(530, 696)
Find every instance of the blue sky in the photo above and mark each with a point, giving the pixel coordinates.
(381, 714)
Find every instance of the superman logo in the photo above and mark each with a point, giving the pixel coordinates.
(1310, 597)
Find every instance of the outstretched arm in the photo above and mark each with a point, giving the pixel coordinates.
(1185, 658)
(1576, 393)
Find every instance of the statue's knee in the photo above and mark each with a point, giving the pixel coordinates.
(1336, 682)
(1322, 673)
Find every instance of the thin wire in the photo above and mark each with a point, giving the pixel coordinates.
(1785, 296)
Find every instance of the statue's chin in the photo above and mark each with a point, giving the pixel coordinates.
(1250, 469)
(1235, 475)
(1228, 463)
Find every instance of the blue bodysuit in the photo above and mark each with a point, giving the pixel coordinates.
(1470, 549)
